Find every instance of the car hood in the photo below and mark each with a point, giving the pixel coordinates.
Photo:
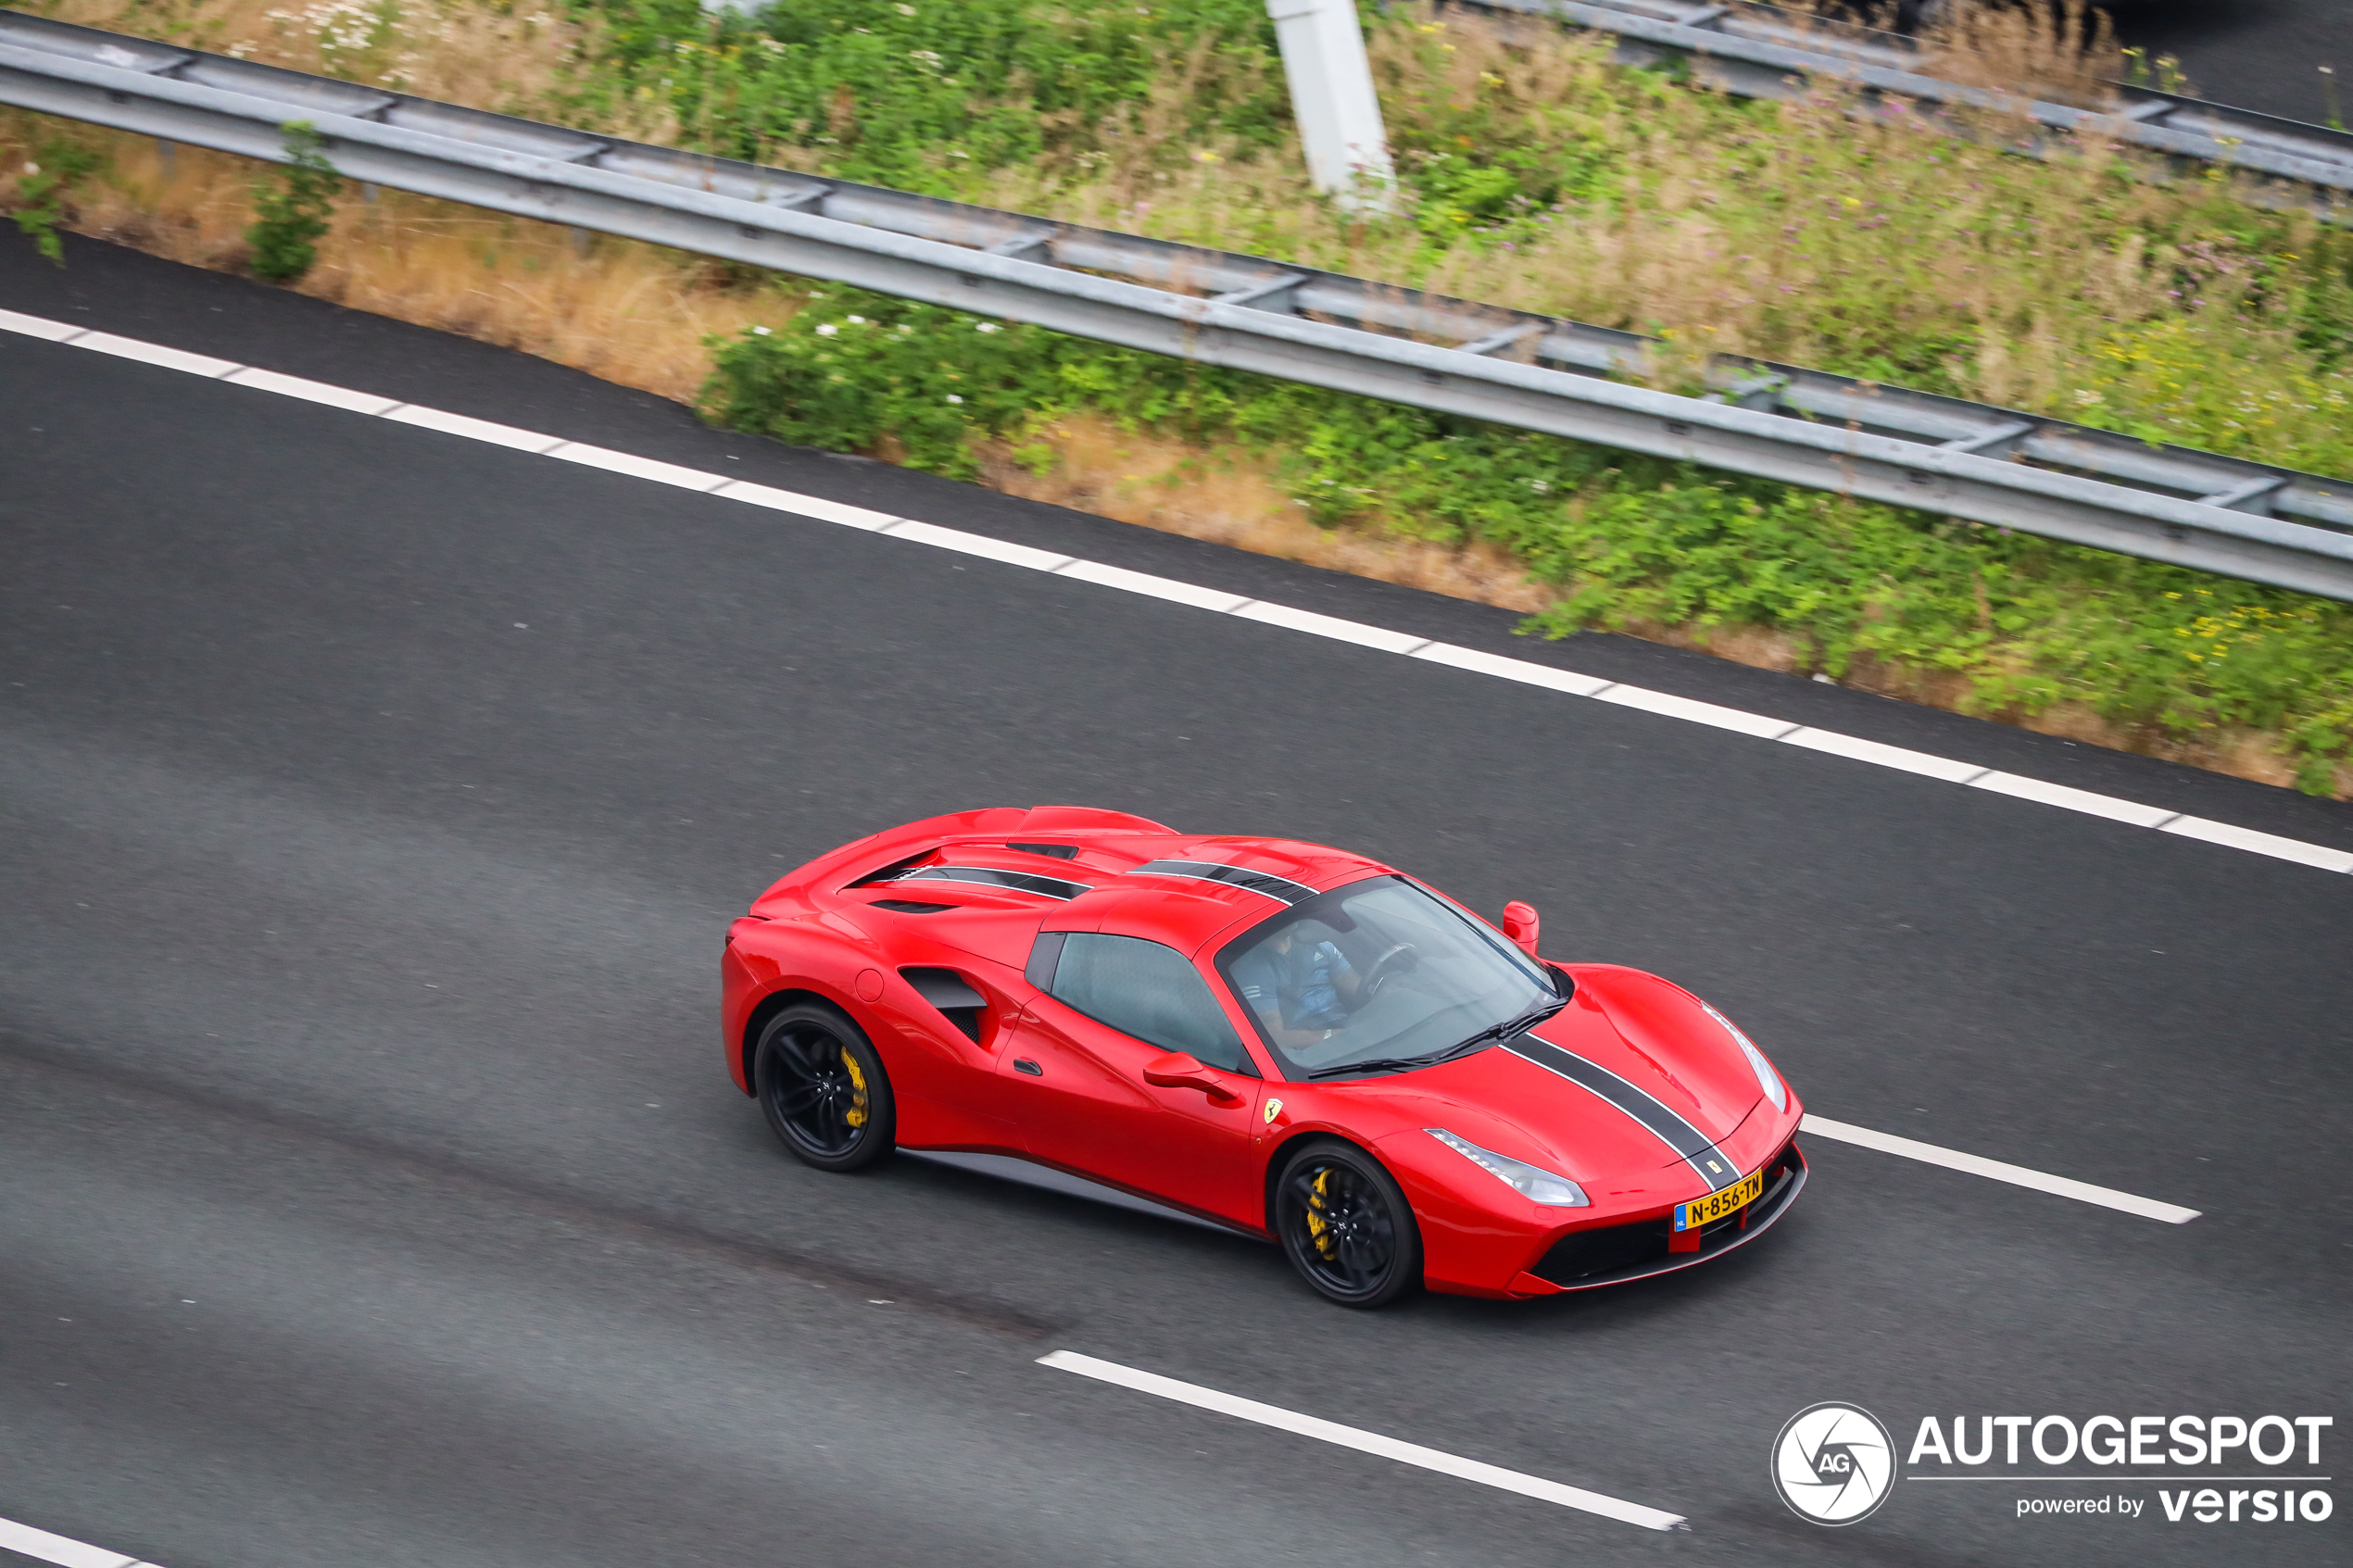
(1657, 1051)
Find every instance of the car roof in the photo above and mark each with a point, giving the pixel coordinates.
(1144, 881)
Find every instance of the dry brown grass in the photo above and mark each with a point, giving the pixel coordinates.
(514, 58)
(627, 312)
(2065, 51)
(1230, 496)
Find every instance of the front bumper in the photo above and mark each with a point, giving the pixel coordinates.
(1589, 1259)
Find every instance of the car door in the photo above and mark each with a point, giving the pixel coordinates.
(1108, 1005)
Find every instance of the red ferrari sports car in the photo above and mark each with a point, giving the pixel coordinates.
(1285, 1040)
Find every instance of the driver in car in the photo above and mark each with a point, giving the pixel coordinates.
(1298, 983)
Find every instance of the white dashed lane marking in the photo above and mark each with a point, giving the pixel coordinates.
(1365, 1442)
(63, 1550)
(1999, 1170)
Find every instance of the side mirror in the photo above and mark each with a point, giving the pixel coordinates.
(1180, 1069)
(1521, 924)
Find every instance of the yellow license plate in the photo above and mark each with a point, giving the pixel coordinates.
(1715, 1205)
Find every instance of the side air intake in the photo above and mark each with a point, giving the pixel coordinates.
(953, 995)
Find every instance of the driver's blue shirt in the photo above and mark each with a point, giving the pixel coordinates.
(1300, 984)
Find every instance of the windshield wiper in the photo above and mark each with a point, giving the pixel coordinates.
(1379, 1065)
(1509, 1029)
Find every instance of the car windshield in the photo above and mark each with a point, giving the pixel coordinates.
(1376, 976)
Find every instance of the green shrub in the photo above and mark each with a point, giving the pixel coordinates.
(295, 209)
(910, 93)
(41, 188)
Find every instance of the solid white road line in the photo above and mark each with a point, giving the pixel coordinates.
(2000, 1171)
(312, 391)
(1692, 712)
(1663, 704)
(634, 467)
(1504, 669)
(65, 1553)
(2256, 843)
(474, 429)
(1885, 756)
(155, 354)
(806, 506)
(1365, 1442)
(1315, 625)
(1144, 583)
(980, 545)
(2127, 812)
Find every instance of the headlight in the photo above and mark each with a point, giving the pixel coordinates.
(1767, 1079)
(1537, 1186)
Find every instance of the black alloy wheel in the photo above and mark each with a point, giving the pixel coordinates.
(822, 1088)
(1346, 1226)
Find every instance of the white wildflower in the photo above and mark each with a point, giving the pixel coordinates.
(760, 331)
(827, 330)
(953, 399)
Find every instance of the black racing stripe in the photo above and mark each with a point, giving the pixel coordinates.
(986, 876)
(1695, 1148)
(1274, 887)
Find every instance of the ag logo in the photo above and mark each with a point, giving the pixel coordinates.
(1833, 1463)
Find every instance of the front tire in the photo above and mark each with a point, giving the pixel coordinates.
(822, 1088)
(1346, 1228)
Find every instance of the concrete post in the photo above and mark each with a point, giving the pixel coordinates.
(1331, 95)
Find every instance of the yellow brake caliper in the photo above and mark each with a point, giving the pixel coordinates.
(1317, 1230)
(857, 1117)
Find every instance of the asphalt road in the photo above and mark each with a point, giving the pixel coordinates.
(372, 803)
(2262, 54)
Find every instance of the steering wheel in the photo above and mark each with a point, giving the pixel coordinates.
(1397, 960)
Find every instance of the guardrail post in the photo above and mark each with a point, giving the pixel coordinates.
(1332, 99)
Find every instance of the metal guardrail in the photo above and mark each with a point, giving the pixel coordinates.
(1533, 373)
(1758, 51)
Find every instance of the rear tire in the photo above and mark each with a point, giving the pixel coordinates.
(822, 1088)
(1345, 1225)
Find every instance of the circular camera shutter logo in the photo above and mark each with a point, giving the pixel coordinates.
(1833, 1463)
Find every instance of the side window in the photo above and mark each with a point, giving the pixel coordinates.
(1147, 990)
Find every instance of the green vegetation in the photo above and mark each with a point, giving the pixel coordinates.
(295, 209)
(917, 94)
(42, 187)
(1542, 177)
(1632, 542)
